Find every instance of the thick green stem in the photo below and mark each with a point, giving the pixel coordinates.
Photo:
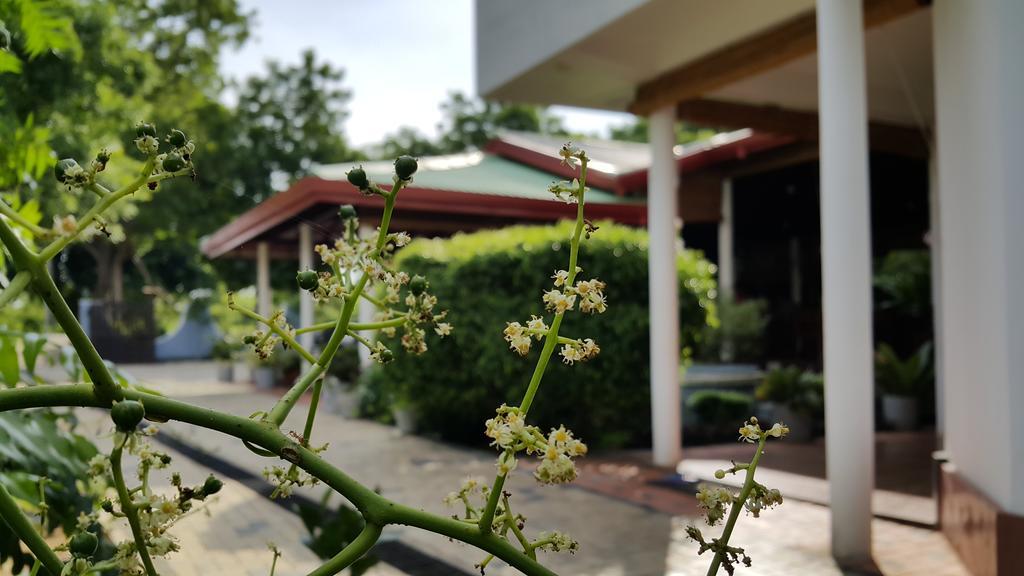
(23, 528)
(354, 551)
(375, 508)
(355, 326)
(737, 506)
(129, 510)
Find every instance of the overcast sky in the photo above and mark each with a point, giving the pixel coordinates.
(401, 58)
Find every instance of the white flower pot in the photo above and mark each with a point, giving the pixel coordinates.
(405, 419)
(225, 372)
(264, 377)
(341, 398)
(900, 412)
(242, 372)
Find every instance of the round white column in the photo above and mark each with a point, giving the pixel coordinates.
(264, 298)
(305, 298)
(663, 183)
(846, 276)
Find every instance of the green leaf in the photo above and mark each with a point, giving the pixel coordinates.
(32, 345)
(9, 63)
(9, 370)
(46, 28)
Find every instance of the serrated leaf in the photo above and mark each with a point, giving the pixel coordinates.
(45, 29)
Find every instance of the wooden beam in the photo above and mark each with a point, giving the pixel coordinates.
(764, 51)
(882, 137)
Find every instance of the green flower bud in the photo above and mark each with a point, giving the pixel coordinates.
(405, 167)
(177, 138)
(357, 177)
(5, 37)
(83, 544)
(173, 162)
(386, 356)
(60, 169)
(127, 414)
(418, 285)
(308, 280)
(249, 339)
(145, 129)
(212, 485)
(719, 474)
(347, 212)
(107, 506)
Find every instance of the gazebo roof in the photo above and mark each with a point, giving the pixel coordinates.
(504, 184)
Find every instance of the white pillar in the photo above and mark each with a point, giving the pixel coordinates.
(979, 82)
(365, 310)
(846, 276)
(663, 183)
(935, 249)
(264, 298)
(726, 266)
(305, 298)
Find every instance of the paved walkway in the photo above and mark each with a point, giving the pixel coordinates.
(626, 525)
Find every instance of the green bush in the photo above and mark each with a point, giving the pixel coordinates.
(719, 409)
(739, 335)
(802, 391)
(492, 277)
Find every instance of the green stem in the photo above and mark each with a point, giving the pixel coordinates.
(737, 506)
(129, 510)
(99, 208)
(355, 326)
(348, 555)
(550, 342)
(281, 333)
(18, 284)
(23, 528)
(280, 411)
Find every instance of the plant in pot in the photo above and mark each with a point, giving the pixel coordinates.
(793, 396)
(901, 383)
(223, 353)
(341, 393)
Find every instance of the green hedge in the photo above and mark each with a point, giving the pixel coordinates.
(488, 278)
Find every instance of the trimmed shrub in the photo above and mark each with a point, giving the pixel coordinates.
(488, 278)
(721, 409)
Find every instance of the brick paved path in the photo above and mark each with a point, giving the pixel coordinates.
(626, 526)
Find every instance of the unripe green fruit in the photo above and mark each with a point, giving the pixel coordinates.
(347, 212)
(307, 279)
(177, 138)
(405, 167)
(357, 177)
(386, 356)
(83, 544)
(418, 285)
(173, 162)
(127, 414)
(60, 169)
(249, 339)
(145, 129)
(212, 485)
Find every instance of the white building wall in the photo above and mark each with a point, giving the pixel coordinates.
(979, 69)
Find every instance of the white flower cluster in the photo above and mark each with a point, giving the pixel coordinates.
(286, 480)
(713, 501)
(520, 337)
(751, 431)
(510, 433)
(556, 542)
(579, 351)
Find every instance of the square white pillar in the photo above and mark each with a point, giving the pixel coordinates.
(663, 239)
(846, 277)
(979, 83)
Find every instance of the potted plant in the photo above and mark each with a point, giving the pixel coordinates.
(223, 353)
(264, 373)
(341, 393)
(793, 396)
(901, 383)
